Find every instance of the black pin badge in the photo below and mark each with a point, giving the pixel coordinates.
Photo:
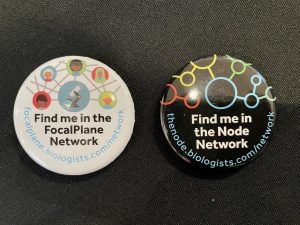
(218, 112)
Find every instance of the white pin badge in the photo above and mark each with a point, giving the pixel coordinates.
(74, 115)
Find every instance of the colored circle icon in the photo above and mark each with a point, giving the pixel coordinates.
(100, 75)
(48, 73)
(227, 103)
(256, 80)
(107, 100)
(251, 101)
(76, 67)
(41, 100)
(74, 96)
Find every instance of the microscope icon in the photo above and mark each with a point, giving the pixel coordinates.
(74, 97)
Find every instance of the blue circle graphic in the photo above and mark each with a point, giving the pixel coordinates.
(74, 96)
(48, 73)
(256, 83)
(214, 80)
(256, 100)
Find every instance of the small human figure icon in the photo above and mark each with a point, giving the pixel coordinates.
(41, 100)
(76, 66)
(48, 74)
(100, 75)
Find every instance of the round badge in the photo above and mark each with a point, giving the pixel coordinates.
(218, 112)
(74, 115)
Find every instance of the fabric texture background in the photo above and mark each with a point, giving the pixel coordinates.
(146, 42)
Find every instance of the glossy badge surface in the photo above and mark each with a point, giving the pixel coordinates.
(74, 115)
(218, 112)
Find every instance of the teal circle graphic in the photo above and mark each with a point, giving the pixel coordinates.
(74, 96)
(207, 89)
(251, 106)
(48, 73)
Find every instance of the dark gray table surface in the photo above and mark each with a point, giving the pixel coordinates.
(146, 42)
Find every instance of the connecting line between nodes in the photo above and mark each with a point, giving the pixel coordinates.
(234, 71)
(206, 67)
(191, 73)
(59, 83)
